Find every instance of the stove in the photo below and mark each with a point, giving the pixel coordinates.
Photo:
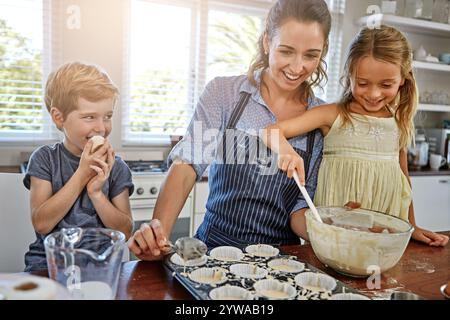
(148, 176)
(140, 166)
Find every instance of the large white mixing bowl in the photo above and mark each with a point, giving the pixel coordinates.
(357, 253)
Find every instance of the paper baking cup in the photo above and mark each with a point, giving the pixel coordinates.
(209, 275)
(274, 289)
(230, 293)
(348, 296)
(176, 259)
(248, 271)
(226, 253)
(286, 265)
(315, 281)
(262, 250)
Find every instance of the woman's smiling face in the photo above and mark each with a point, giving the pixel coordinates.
(294, 53)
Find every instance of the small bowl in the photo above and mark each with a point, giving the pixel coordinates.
(230, 293)
(176, 259)
(445, 58)
(274, 290)
(211, 276)
(262, 250)
(403, 295)
(348, 296)
(227, 253)
(248, 271)
(315, 281)
(286, 265)
(443, 287)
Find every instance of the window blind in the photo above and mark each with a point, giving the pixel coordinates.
(169, 61)
(25, 61)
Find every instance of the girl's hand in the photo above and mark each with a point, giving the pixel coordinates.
(429, 237)
(103, 170)
(292, 161)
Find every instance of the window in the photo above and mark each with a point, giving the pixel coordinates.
(167, 71)
(23, 115)
(169, 60)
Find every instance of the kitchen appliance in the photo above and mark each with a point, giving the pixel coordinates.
(148, 176)
(439, 140)
(418, 154)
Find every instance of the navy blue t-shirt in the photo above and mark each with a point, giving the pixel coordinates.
(56, 164)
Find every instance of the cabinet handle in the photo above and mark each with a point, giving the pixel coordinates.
(443, 181)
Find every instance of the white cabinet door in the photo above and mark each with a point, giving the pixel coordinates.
(200, 197)
(431, 198)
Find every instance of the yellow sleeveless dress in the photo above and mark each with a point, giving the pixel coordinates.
(361, 163)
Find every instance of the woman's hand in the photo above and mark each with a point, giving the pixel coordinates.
(149, 242)
(429, 237)
(290, 162)
(103, 170)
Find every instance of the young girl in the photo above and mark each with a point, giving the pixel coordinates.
(366, 133)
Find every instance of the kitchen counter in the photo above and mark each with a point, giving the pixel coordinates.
(427, 171)
(422, 270)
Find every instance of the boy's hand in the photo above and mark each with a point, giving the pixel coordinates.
(87, 159)
(102, 169)
(291, 161)
(429, 237)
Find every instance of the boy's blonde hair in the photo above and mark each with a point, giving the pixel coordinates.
(390, 45)
(77, 80)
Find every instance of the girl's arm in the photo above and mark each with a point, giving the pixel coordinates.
(419, 234)
(321, 117)
(275, 136)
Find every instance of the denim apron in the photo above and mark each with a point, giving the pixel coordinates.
(250, 199)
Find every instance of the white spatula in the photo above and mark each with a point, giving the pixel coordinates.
(307, 198)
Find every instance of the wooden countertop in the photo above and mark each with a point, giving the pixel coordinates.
(422, 270)
(427, 171)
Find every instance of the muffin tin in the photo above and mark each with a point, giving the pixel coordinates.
(250, 276)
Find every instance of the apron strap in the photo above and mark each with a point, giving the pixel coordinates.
(238, 110)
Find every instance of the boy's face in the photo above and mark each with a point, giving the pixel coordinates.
(88, 120)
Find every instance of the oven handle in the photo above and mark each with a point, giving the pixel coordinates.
(142, 203)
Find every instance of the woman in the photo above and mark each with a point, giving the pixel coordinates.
(249, 202)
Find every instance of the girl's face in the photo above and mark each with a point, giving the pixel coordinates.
(88, 120)
(375, 83)
(294, 53)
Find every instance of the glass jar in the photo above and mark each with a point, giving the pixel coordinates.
(441, 11)
(413, 8)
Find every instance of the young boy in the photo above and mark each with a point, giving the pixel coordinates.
(71, 184)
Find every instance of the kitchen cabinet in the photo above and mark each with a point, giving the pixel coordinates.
(431, 198)
(16, 230)
(201, 192)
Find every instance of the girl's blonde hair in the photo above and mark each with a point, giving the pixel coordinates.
(75, 80)
(302, 11)
(390, 45)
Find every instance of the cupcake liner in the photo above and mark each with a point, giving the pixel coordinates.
(226, 253)
(348, 296)
(212, 276)
(274, 289)
(176, 259)
(286, 265)
(315, 281)
(230, 293)
(248, 271)
(262, 250)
